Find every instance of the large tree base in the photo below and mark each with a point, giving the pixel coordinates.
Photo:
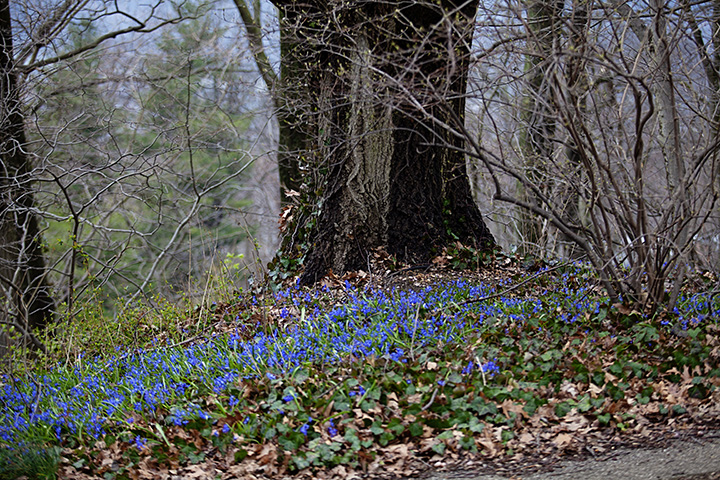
(416, 239)
(390, 84)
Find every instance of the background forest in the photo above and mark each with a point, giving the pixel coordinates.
(206, 208)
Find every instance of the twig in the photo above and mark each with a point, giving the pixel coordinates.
(507, 290)
(482, 370)
(432, 399)
(424, 266)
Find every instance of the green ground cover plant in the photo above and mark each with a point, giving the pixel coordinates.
(361, 376)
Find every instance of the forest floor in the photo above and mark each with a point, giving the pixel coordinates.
(518, 370)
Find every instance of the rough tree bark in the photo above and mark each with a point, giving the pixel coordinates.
(388, 83)
(22, 263)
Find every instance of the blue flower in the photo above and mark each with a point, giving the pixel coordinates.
(468, 368)
(360, 391)
(306, 426)
(491, 368)
(332, 431)
(140, 442)
(397, 355)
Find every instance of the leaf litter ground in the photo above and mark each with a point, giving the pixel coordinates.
(509, 368)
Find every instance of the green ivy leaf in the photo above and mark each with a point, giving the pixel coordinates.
(562, 409)
(584, 404)
(415, 429)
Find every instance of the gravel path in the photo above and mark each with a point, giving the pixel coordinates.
(681, 460)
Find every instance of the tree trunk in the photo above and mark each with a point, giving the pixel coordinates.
(538, 115)
(577, 89)
(714, 81)
(293, 136)
(284, 91)
(669, 139)
(389, 84)
(22, 270)
(710, 57)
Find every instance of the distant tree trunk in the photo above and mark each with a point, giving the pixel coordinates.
(23, 270)
(664, 91)
(389, 84)
(576, 93)
(669, 139)
(715, 82)
(710, 62)
(538, 115)
(709, 53)
(293, 138)
(713, 73)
